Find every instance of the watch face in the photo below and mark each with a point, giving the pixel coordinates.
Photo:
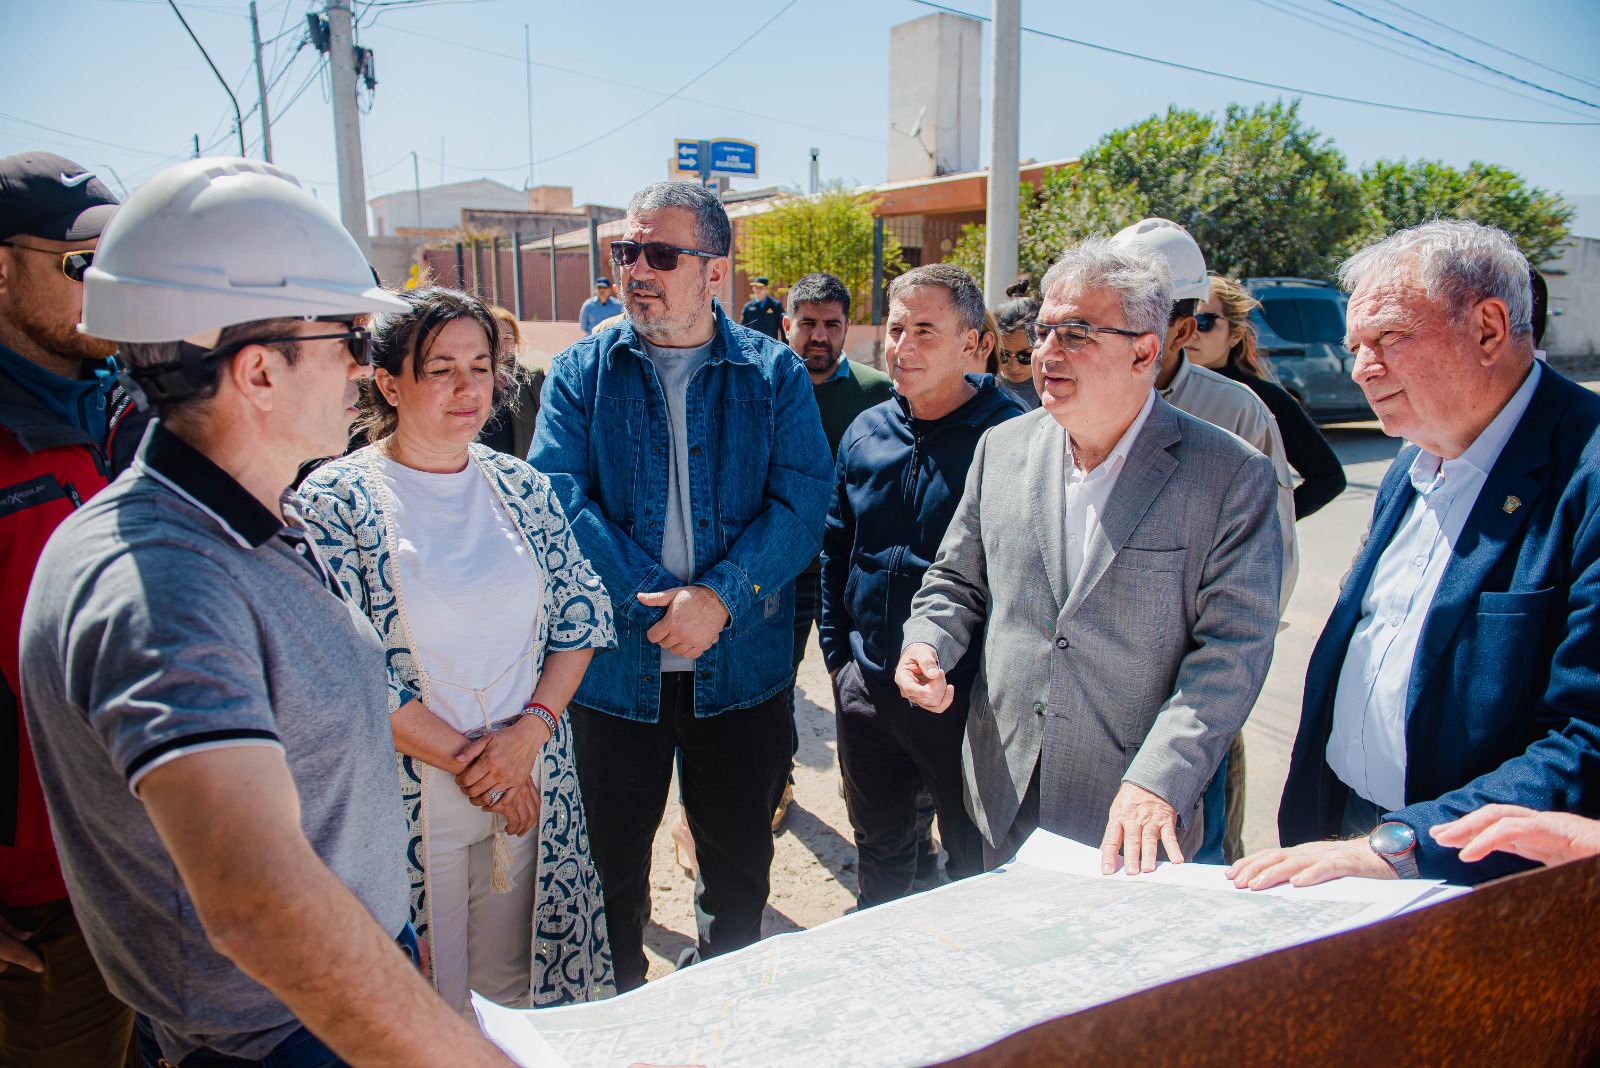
(1392, 839)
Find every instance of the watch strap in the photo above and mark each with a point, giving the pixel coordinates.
(1404, 865)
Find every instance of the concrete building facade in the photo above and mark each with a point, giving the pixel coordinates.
(934, 64)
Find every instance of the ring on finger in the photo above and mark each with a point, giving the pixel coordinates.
(495, 796)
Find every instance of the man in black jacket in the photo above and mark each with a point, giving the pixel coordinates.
(763, 313)
(902, 466)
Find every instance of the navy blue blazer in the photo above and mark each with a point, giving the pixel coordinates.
(1504, 701)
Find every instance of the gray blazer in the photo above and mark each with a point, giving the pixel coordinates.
(1146, 668)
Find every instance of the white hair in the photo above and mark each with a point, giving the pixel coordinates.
(1458, 262)
(1139, 277)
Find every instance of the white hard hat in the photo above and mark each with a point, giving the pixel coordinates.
(210, 243)
(1185, 262)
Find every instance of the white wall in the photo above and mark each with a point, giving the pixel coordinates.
(442, 204)
(933, 70)
(1574, 280)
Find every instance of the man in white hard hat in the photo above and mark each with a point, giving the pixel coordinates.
(1222, 402)
(209, 713)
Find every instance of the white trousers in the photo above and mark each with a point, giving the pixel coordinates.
(481, 940)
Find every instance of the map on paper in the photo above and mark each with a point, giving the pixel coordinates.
(942, 973)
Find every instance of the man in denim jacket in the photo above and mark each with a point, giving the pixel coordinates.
(689, 456)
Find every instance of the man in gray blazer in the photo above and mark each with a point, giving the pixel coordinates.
(1121, 561)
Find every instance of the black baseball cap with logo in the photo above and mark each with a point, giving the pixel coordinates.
(48, 196)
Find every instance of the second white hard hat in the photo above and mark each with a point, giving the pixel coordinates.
(210, 243)
(1185, 262)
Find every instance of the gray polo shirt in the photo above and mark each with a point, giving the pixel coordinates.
(172, 614)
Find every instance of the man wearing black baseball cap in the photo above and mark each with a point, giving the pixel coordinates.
(66, 429)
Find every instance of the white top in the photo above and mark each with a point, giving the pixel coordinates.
(1367, 748)
(472, 593)
(1088, 491)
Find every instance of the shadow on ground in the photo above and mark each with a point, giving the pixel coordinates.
(833, 851)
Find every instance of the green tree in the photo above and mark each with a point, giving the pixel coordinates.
(831, 231)
(1261, 192)
(1402, 194)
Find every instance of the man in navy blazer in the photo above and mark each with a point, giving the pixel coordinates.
(1461, 664)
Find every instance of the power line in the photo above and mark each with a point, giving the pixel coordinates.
(1262, 84)
(1463, 58)
(1390, 45)
(615, 83)
(1490, 44)
(237, 118)
(81, 137)
(714, 65)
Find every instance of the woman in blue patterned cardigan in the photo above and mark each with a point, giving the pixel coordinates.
(466, 565)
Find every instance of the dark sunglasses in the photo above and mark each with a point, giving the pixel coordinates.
(660, 257)
(1204, 321)
(1024, 357)
(357, 340)
(73, 264)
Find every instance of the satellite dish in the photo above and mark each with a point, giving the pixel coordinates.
(916, 127)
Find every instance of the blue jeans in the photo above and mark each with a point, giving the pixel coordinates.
(1215, 816)
(302, 1049)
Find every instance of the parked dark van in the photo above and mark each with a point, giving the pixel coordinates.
(1300, 330)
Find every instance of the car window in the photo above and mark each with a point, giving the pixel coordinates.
(1303, 319)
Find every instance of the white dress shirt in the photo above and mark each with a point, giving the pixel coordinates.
(1367, 748)
(1088, 491)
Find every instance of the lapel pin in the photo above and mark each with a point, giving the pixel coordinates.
(1511, 505)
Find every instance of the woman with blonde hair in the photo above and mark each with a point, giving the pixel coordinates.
(489, 613)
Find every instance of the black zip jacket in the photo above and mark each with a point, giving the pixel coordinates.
(899, 481)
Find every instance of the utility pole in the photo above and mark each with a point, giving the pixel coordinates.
(261, 86)
(527, 59)
(347, 122)
(815, 183)
(1005, 100)
(416, 184)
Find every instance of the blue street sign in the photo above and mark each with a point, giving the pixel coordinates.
(729, 155)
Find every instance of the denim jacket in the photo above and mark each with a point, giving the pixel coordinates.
(759, 481)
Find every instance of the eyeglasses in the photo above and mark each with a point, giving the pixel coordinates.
(358, 341)
(73, 264)
(660, 257)
(1024, 357)
(1073, 334)
(1204, 321)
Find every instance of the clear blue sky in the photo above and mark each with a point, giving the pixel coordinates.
(116, 84)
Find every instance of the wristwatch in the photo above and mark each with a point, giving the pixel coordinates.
(1396, 843)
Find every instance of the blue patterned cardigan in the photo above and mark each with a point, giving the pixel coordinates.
(347, 513)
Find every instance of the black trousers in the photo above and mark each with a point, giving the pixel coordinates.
(889, 749)
(733, 765)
